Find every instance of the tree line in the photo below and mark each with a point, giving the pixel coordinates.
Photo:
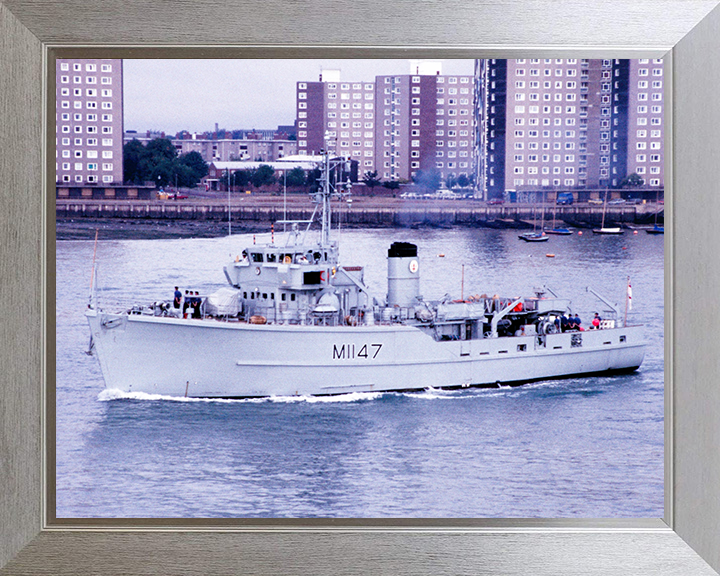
(264, 175)
(159, 162)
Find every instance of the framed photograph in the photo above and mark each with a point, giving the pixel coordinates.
(684, 540)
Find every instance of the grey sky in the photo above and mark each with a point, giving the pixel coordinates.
(174, 95)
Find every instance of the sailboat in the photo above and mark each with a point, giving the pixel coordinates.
(656, 229)
(536, 236)
(602, 229)
(554, 230)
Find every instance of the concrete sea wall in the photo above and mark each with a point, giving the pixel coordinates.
(371, 214)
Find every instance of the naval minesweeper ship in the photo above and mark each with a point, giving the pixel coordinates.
(294, 320)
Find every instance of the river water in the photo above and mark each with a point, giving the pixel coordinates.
(583, 447)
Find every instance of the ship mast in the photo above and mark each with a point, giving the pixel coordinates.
(328, 189)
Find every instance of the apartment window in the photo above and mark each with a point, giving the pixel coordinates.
(106, 67)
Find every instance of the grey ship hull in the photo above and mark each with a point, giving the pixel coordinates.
(214, 359)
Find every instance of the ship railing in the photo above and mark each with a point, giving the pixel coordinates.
(494, 304)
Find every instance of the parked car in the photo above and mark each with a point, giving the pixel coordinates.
(617, 201)
(495, 201)
(177, 196)
(634, 201)
(595, 201)
(565, 198)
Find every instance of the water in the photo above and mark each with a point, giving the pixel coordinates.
(584, 447)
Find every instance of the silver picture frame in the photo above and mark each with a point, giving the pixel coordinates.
(685, 541)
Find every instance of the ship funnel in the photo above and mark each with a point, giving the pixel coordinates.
(403, 275)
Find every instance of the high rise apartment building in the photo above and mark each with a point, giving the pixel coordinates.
(425, 122)
(89, 121)
(567, 124)
(344, 112)
(396, 125)
(645, 94)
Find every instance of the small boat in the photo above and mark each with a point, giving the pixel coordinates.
(556, 230)
(559, 231)
(656, 229)
(534, 237)
(602, 229)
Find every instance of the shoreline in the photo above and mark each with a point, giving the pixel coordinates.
(147, 229)
(204, 218)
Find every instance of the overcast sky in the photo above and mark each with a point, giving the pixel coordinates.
(174, 95)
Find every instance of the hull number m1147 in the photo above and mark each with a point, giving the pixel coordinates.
(350, 351)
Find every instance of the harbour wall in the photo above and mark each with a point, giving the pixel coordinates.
(371, 215)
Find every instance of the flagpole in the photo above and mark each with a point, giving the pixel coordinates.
(627, 300)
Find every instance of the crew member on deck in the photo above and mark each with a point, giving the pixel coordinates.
(196, 306)
(177, 298)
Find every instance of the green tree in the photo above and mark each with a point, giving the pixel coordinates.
(370, 179)
(163, 172)
(198, 168)
(632, 181)
(296, 177)
(313, 180)
(391, 184)
(160, 149)
(241, 178)
(135, 162)
(463, 181)
(263, 175)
